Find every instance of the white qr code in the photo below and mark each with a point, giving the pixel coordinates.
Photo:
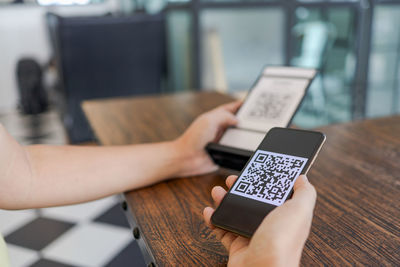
(269, 177)
(269, 106)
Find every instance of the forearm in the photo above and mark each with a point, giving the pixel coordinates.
(40, 176)
(68, 174)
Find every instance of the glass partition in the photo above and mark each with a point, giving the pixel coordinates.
(237, 43)
(179, 47)
(383, 95)
(354, 44)
(325, 39)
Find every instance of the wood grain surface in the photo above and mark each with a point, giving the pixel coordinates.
(357, 176)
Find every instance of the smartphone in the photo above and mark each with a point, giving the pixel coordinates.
(267, 179)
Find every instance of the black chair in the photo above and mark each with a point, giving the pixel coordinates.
(106, 56)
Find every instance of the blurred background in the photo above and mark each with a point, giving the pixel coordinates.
(56, 53)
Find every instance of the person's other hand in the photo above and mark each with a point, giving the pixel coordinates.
(280, 238)
(208, 127)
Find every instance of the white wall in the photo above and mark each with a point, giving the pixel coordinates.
(23, 33)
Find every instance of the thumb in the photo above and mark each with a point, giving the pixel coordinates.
(304, 193)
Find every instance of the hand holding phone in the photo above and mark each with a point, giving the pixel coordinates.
(270, 245)
(268, 178)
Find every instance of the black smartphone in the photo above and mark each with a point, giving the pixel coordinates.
(267, 179)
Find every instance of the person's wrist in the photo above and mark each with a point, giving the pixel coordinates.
(183, 155)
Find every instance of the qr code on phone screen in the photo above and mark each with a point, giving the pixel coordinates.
(269, 177)
(269, 106)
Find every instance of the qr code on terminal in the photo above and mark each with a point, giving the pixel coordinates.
(269, 177)
(269, 106)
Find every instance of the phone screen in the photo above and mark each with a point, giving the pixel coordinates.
(271, 102)
(268, 178)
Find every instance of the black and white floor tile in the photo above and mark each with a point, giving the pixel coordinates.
(90, 234)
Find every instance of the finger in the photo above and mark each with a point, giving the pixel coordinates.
(304, 190)
(240, 243)
(230, 180)
(220, 121)
(207, 213)
(227, 239)
(304, 195)
(218, 194)
(233, 106)
(219, 135)
(300, 181)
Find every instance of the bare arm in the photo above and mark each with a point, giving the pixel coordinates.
(40, 176)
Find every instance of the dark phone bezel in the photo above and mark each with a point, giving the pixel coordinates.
(307, 167)
(236, 158)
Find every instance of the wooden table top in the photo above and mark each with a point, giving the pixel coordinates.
(357, 177)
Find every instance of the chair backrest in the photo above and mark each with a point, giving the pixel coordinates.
(108, 57)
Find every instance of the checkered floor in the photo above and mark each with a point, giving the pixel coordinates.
(90, 234)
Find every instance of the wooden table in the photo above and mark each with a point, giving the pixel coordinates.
(357, 176)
